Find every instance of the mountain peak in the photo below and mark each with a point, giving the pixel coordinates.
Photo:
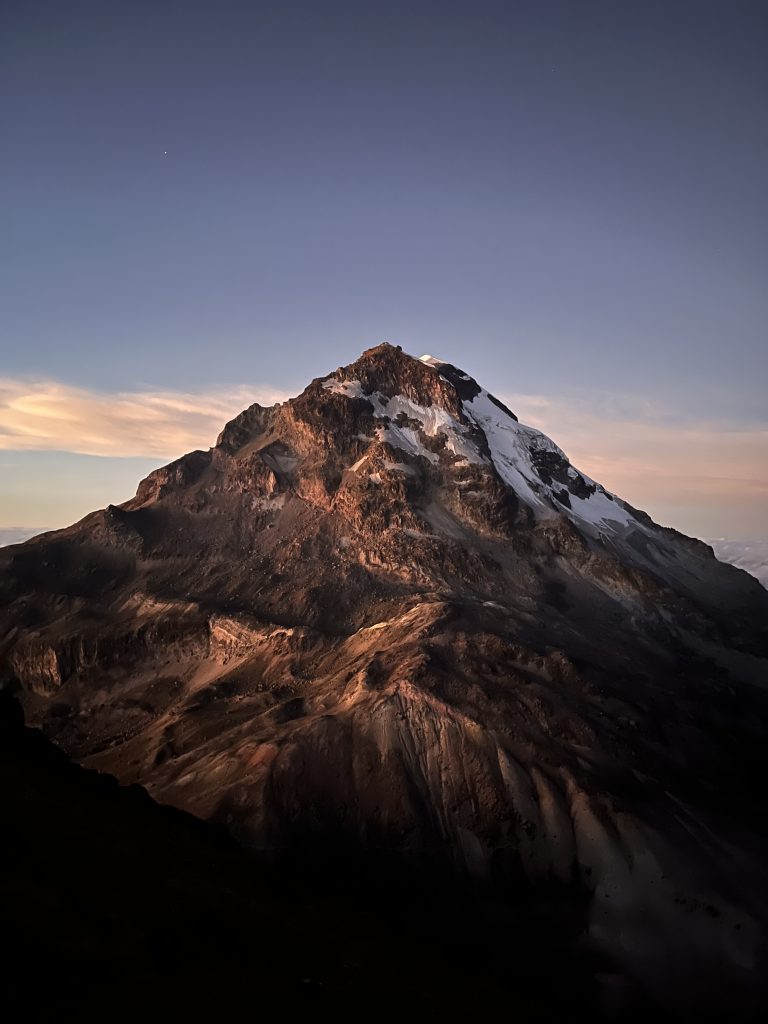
(441, 417)
(424, 434)
(388, 370)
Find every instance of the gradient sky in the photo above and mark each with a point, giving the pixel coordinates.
(210, 200)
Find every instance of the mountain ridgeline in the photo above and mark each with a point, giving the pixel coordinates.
(385, 620)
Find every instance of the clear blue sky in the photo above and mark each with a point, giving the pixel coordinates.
(568, 198)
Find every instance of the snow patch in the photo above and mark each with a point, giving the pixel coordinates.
(398, 467)
(407, 440)
(350, 388)
(601, 510)
(432, 420)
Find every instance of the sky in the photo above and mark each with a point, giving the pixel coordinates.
(205, 204)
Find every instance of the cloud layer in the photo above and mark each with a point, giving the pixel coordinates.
(750, 555)
(48, 416)
(17, 534)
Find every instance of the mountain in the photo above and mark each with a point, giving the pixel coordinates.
(387, 619)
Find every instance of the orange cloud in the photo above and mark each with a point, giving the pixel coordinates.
(48, 416)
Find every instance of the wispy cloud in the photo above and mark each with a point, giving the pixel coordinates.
(49, 416)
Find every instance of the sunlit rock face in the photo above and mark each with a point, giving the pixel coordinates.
(387, 616)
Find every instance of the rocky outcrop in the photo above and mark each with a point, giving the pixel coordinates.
(179, 474)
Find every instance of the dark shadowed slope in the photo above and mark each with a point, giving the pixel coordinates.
(114, 906)
(385, 616)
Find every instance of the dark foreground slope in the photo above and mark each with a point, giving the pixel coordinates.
(386, 619)
(115, 906)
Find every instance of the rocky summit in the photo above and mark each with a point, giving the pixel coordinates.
(387, 620)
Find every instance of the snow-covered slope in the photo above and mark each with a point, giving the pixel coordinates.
(482, 431)
(516, 449)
